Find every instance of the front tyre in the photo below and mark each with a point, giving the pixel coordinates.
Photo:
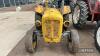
(31, 43)
(80, 14)
(74, 41)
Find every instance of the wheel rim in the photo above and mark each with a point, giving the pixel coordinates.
(98, 36)
(76, 15)
(34, 42)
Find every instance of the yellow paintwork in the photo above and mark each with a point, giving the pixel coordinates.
(52, 14)
(38, 9)
(46, 3)
(34, 44)
(66, 10)
(52, 22)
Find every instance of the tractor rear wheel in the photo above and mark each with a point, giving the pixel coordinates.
(80, 14)
(97, 36)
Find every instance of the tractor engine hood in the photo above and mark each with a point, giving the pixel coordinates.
(52, 13)
(52, 24)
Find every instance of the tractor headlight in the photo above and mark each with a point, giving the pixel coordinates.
(38, 23)
(66, 23)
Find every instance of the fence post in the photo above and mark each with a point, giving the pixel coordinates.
(15, 3)
(19, 2)
(10, 2)
(4, 3)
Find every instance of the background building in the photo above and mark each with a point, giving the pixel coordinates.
(8, 3)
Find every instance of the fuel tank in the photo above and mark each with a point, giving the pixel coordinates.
(52, 25)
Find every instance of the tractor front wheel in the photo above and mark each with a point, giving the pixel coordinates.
(31, 43)
(73, 45)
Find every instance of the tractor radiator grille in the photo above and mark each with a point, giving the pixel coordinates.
(52, 28)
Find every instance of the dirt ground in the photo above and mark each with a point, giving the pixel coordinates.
(13, 8)
(60, 49)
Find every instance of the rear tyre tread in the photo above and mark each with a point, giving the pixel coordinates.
(83, 14)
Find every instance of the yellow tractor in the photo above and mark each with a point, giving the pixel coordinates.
(52, 23)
